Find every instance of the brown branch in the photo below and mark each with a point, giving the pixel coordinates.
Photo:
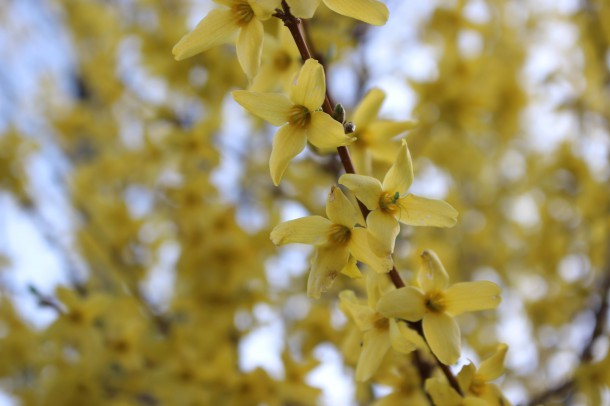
(294, 26)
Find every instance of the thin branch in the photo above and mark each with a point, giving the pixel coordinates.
(294, 26)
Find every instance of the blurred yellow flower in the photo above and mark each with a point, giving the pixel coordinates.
(299, 116)
(219, 26)
(389, 203)
(475, 382)
(370, 11)
(436, 303)
(336, 240)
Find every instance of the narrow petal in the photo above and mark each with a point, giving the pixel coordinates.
(351, 269)
(249, 46)
(399, 342)
(375, 346)
(263, 8)
(306, 230)
(362, 315)
(404, 303)
(413, 336)
(432, 276)
(465, 376)
(288, 142)
(442, 394)
(326, 264)
(383, 229)
(471, 297)
(214, 29)
(339, 209)
(400, 176)
(366, 188)
(303, 8)
(370, 11)
(419, 211)
(359, 248)
(271, 107)
(368, 108)
(386, 130)
(443, 336)
(310, 88)
(325, 132)
(493, 367)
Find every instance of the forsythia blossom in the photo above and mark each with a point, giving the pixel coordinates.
(299, 116)
(436, 303)
(370, 11)
(243, 16)
(336, 239)
(389, 203)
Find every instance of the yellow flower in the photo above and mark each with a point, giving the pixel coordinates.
(436, 303)
(443, 394)
(298, 115)
(370, 11)
(390, 203)
(475, 382)
(379, 332)
(374, 137)
(219, 26)
(281, 60)
(336, 240)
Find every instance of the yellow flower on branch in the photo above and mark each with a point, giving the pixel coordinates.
(475, 382)
(389, 203)
(380, 333)
(436, 303)
(369, 11)
(336, 240)
(299, 115)
(220, 25)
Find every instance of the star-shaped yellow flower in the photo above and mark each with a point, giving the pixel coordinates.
(436, 303)
(389, 203)
(475, 382)
(336, 239)
(299, 116)
(369, 11)
(380, 333)
(219, 26)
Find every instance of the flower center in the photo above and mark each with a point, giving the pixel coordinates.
(339, 234)
(477, 386)
(435, 302)
(299, 116)
(243, 13)
(281, 60)
(388, 202)
(381, 323)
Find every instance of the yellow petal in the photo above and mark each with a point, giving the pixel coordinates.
(383, 229)
(288, 142)
(214, 29)
(366, 188)
(249, 46)
(375, 345)
(471, 297)
(362, 315)
(442, 394)
(386, 130)
(465, 376)
(306, 230)
(351, 269)
(310, 88)
(359, 247)
(399, 342)
(368, 108)
(419, 211)
(400, 176)
(325, 132)
(303, 8)
(432, 276)
(339, 209)
(370, 11)
(443, 336)
(405, 303)
(263, 9)
(271, 107)
(493, 367)
(413, 336)
(326, 264)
